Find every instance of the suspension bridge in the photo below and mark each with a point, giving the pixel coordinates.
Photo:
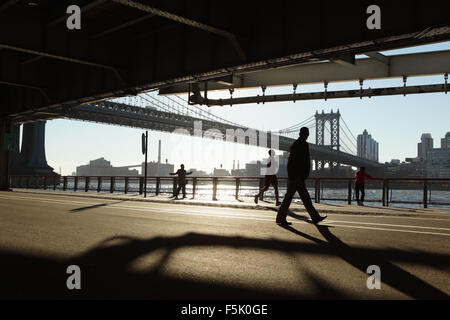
(173, 114)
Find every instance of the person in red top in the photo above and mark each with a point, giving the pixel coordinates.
(360, 177)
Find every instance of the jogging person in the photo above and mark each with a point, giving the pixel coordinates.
(270, 178)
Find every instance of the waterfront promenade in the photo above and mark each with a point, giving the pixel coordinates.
(157, 248)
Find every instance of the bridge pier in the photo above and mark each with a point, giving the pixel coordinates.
(31, 160)
(5, 134)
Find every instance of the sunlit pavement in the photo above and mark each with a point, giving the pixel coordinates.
(151, 249)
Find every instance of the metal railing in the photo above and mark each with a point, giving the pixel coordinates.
(414, 190)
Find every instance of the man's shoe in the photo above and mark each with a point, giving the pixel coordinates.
(256, 199)
(320, 219)
(284, 223)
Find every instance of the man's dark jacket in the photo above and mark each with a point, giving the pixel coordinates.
(299, 163)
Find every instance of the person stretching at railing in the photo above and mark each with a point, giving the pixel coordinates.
(181, 180)
(270, 177)
(360, 177)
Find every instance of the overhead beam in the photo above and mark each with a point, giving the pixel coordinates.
(345, 59)
(379, 57)
(189, 22)
(122, 26)
(198, 99)
(83, 9)
(67, 59)
(8, 4)
(22, 85)
(31, 60)
(409, 65)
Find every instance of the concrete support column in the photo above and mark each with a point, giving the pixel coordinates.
(32, 160)
(14, 154)
(33, 144)
(5, 129)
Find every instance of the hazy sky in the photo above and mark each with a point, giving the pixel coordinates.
(396, 122)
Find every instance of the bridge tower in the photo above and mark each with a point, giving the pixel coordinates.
(31, 160)
(321, 120)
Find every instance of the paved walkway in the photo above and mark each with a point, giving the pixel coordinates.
(248, 203)
(147, 250)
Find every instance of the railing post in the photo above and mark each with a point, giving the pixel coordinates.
(54, 182)
(36, 182)
(86, 184)
(174, 186)
(99, 184)
(318, 191)
(261, 185)
(75, 186)
(45, 183)
(238, 183)
(111, 184)
(214, 197)
(387, 193)
(28, 182)
(194, 187)
(349, 196)
(425, 191)
(141, 185)
(126, 185)
(64, 183)
(158, 185)
(383, 196)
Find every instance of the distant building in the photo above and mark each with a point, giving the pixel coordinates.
(395, 161)
(425, 144)
(367, 147)
(445, 142)
(198, 173)
(282, 165)
(253, 168)
(102, 167)
(157, 169)
(411, 168)
(438, 163)
(239, 172)
(220, 172)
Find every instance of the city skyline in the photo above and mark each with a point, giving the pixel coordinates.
(242, 165)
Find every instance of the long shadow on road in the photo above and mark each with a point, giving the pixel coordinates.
(95, 206)
(106, 272)
(391, 275)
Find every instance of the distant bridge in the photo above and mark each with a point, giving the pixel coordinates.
(153, 119)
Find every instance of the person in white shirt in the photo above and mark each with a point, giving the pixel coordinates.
(270, 178)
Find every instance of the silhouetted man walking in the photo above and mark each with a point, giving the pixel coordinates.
(181, 180)
(299, 166)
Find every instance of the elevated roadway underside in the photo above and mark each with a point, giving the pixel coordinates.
(125, 47)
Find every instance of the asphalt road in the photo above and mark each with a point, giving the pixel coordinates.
(129, 249)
